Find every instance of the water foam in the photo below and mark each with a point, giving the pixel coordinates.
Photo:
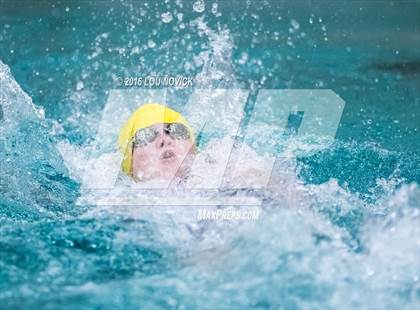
(314, 246)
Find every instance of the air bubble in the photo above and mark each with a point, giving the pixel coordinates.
(294, 24)
(214, 8)
(166, 17)
(79, 85)
(151, 44)
(199, 6)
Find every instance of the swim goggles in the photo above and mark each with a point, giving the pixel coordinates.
(147, 135)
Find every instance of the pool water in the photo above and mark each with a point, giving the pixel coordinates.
(344, 231)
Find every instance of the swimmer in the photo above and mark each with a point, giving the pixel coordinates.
(157, 142)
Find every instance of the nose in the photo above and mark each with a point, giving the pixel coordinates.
(163, 140)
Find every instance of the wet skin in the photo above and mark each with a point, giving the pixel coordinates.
(165, 157)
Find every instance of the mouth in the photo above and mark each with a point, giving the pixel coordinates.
(167, 155)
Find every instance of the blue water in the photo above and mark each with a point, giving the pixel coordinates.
(350, 238)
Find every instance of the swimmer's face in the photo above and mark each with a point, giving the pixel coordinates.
(162, 151)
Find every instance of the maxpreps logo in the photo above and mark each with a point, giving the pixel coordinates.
(268, 119)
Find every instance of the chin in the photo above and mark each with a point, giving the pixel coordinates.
(168, 172)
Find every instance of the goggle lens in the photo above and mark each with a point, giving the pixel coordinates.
(147, 135)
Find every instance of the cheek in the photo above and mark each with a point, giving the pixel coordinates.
(141, 158)
(184, 147)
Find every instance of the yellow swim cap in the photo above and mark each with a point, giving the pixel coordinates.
(147, 115)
